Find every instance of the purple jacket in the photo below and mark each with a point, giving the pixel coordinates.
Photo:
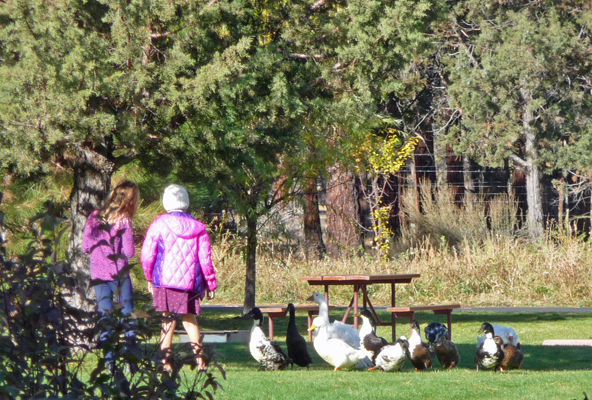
(175, 249)
(101, 244)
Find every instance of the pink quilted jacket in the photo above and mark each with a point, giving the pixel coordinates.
(176, 247)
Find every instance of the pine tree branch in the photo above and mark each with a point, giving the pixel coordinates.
(466, 48)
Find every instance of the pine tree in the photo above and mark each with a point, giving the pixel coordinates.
(519, 81)
(57, 103)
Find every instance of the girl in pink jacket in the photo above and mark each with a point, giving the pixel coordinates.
(177, 262)
(108, 238)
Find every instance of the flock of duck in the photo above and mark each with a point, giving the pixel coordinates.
(343, 346)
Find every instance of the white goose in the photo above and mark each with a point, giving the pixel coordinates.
(508, 335)
(334, 351)
(337, 329)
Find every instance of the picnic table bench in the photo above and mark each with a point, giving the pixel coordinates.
(409, 311)
(281, 311)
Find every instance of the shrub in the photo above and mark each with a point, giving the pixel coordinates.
(49, 349)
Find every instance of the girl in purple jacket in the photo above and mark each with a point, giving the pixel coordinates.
(177, 262)
(108, 237)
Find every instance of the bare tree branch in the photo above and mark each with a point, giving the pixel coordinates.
(520, 163)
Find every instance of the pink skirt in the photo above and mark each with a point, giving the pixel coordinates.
(176, 301)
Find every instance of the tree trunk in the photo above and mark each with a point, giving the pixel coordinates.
(342, 212)
(415, 180)
(534, 200)
(92, 181)
(251, 264)
(533, 172)
(560, 202)
(313, 234)
(440, 162)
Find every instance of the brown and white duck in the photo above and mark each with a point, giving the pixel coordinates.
(513, 357)
(418, 351)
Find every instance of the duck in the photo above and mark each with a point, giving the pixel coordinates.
(513, 357)
(337, 329)
(391, 357)
(334, 351)
(266, 352)
(369, 342)
(446, 352)
(507, 334)
(489, 353)
(418, 352)
(296, 344)
(433, 331)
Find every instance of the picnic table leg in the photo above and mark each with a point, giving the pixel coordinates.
(327, 293)
(393, 318)
(344, 319)
(448, 318)
(449, 325)
(369, 306)
(364, 295)
(270, 327)
(356, 289)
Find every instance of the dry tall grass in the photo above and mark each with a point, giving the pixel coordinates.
(459, 258)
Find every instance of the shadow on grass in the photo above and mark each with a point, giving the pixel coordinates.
(539, 358)
(509, 318)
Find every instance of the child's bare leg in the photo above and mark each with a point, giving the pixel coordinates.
(166, 336)
(192, 329)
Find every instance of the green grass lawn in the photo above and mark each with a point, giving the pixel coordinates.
(547, 372)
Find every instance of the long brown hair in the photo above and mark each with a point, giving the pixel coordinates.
(123, 200)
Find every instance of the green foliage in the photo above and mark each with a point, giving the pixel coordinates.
(366, 59)
(48, 347)
(24, 199)
(54, 84)
(509, 59)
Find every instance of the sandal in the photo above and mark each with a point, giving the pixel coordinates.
(166, 367)
(199, 355)
(166, 364)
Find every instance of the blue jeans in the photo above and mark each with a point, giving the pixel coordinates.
(104, 293)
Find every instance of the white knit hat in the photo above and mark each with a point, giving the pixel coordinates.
(175, 198)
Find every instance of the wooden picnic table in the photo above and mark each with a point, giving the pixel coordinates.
(361, 282)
